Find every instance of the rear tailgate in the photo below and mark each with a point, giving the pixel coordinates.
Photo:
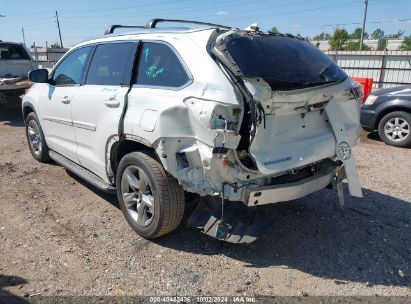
(310, 112)
(297, 128)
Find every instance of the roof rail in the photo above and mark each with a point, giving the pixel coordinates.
(111, 28)
(153, 22)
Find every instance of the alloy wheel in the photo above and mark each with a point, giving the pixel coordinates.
(397, 129)
(137, 196)
(34, 137)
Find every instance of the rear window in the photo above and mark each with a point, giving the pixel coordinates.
(10, 51)
(159, 66)
(285, 63)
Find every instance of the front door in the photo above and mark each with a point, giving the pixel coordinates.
(99, 103)
(56, 103)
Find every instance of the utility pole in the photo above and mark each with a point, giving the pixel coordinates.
(58, 25)
(363, 25)
(24, 38)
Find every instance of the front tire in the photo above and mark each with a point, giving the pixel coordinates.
(394, 129)
(151, 200)
(35, 139)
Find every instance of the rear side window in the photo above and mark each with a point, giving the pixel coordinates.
(13, 52)
(70, 71)
(159, 66)
(111, 64)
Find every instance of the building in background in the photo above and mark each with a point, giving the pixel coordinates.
(47, 57)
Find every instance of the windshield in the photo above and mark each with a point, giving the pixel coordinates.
(286, 63)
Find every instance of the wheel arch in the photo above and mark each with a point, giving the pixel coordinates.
(117, 148)
(27, 109)
(389, 109)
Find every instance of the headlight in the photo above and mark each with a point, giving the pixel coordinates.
(370, 100)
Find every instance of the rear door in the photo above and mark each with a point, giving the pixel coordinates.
(99, 103)
(56, 103)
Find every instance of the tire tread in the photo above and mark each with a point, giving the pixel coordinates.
(171, 195)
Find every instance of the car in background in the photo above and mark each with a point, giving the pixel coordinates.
(15, 63)
(388, 111)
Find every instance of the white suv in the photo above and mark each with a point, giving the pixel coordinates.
(242, 115)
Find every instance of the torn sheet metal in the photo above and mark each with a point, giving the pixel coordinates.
(240, 224)
(340, 177)
(297, 128)
(340, 116)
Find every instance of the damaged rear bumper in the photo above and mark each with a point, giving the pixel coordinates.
(260, 195)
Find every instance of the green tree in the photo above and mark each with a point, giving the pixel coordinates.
(378, 34)
(354, 45)
(274, 30)
(397, 35)
(55, 45)
(406, 44)
(382, 44)
(339, 40)
(322, 36)
(357, 34)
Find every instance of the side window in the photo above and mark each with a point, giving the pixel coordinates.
(160, 66)
(111, 64)
(70, 70)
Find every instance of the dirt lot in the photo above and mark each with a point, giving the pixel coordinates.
(61, 237)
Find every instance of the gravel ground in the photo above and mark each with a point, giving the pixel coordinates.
(60, 236)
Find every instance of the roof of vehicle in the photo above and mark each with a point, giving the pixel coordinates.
(394, 91)
(199, 31)
(10, 42)
(198, 34)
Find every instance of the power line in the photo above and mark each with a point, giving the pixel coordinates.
(356, 23)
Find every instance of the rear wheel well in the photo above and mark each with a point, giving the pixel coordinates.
(389, 110)
(124, 147)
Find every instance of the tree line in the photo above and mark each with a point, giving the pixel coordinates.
(342, 40)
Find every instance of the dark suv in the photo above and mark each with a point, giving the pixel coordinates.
(389, 112)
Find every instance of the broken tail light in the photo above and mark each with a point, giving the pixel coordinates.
(215, 115)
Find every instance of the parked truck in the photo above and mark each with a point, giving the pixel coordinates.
(15, 63)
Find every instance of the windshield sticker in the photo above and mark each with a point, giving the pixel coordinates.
(146, 52)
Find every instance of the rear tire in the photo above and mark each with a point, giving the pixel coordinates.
(35, 139)
(394, 129)
(152, 201)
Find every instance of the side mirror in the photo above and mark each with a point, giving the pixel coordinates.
(39, 75)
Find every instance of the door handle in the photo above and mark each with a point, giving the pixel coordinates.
(66, 100)
(112, 103)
